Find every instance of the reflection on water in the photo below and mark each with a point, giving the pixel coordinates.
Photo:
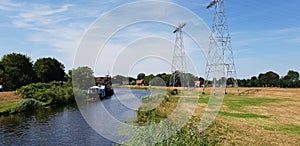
(61, 125)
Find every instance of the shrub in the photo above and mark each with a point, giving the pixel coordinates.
(173, 92)
(26, 105)
(50, 93)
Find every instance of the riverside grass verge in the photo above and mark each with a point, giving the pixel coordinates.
(34, 96)
(259, 116)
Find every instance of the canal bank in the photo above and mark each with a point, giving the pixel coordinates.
(8, 100)
(63, 125)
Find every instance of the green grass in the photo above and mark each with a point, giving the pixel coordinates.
(5, 108)
(289, 129)
(236, 102)
(242, 115)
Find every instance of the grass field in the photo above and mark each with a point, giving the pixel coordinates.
(8, 100)
(258, 116)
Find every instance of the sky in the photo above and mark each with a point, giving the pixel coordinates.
(127, 37)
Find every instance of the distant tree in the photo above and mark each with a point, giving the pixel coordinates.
(291, 79)
(230, 81)
(269, 79)
(141, 76)
(119, 79)
(49, 69)
(1, 74)
(175, 79)
(202, 80)
(16, 71)
(131, 80)
(190, 79)
(254, 82)
(148, 78)
(68, 78)
(83, 78)
(292, 75)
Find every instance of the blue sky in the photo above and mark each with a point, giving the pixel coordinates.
(265, 34)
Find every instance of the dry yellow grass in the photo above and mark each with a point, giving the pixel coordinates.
(281, 125)
(281, 128)
(8, 99)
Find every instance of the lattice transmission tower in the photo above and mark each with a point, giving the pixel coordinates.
(179, 61)
(220, 49)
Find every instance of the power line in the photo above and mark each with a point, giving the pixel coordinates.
(220, 54)
(179, 60)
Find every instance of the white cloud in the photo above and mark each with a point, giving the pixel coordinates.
(7, 5)
(130, 23)
(38, 15)
(61, 27)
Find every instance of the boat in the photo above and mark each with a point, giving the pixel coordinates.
(103, 90)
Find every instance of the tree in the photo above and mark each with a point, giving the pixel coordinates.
(147, 79)
(269, 79)
(292, 75)
(16, 71)
(83, 77)
(49, 69)
(177, 76)
(165, 77)
(141, 76)
(291, 79)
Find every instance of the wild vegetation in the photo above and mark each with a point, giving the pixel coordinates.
(36, 95)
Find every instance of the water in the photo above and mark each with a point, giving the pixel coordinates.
(64, 125)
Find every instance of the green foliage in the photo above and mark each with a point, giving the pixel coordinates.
(173, 92)
(26, 105)
(271, 79)
(188, 135)
(49, 69)
(152, 98)
(16, 71)
(83, 78)
(292, 75)
(141, 76)
(50, 93)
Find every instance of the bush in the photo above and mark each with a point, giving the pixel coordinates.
(173, 92)
(26, 105)
(50, 93)
(152, 98)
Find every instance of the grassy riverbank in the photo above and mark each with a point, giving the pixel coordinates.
(8, 100)
(258, 116)
(34, 96)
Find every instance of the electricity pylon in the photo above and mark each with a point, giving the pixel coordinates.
(179, 60)
(220, 51)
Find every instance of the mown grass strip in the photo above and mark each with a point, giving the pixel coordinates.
(236, 102)
(289, 129)
(242, 115)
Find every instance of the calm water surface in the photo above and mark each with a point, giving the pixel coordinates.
(64, 125)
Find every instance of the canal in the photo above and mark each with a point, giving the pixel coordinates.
(65, 125)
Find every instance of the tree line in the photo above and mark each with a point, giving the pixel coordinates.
(268, 79)
(271, 79)
(162, 79)
(17, 70)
